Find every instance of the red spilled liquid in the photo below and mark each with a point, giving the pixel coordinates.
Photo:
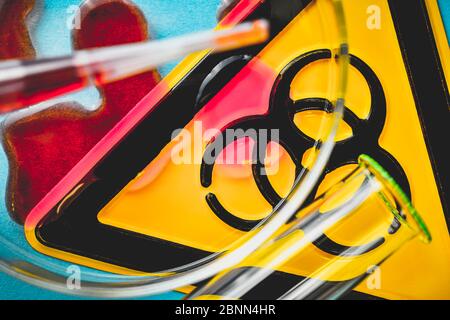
(14, 38)
(43, 145)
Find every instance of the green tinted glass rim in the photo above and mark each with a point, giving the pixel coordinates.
(398, 191)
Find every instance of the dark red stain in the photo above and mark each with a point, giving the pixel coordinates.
(43, 145)
(15, 41)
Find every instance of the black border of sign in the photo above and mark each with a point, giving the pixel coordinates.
(427, 80)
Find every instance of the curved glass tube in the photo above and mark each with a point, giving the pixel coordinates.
(20, 261)
(337, 240)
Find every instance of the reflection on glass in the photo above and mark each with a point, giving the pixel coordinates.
(335, 241)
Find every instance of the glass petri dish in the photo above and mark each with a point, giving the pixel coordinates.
(201, 171)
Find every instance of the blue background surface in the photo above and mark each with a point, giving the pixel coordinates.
(167, 18)
(444, 6)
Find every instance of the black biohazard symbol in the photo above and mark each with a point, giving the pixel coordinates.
(280, 116)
